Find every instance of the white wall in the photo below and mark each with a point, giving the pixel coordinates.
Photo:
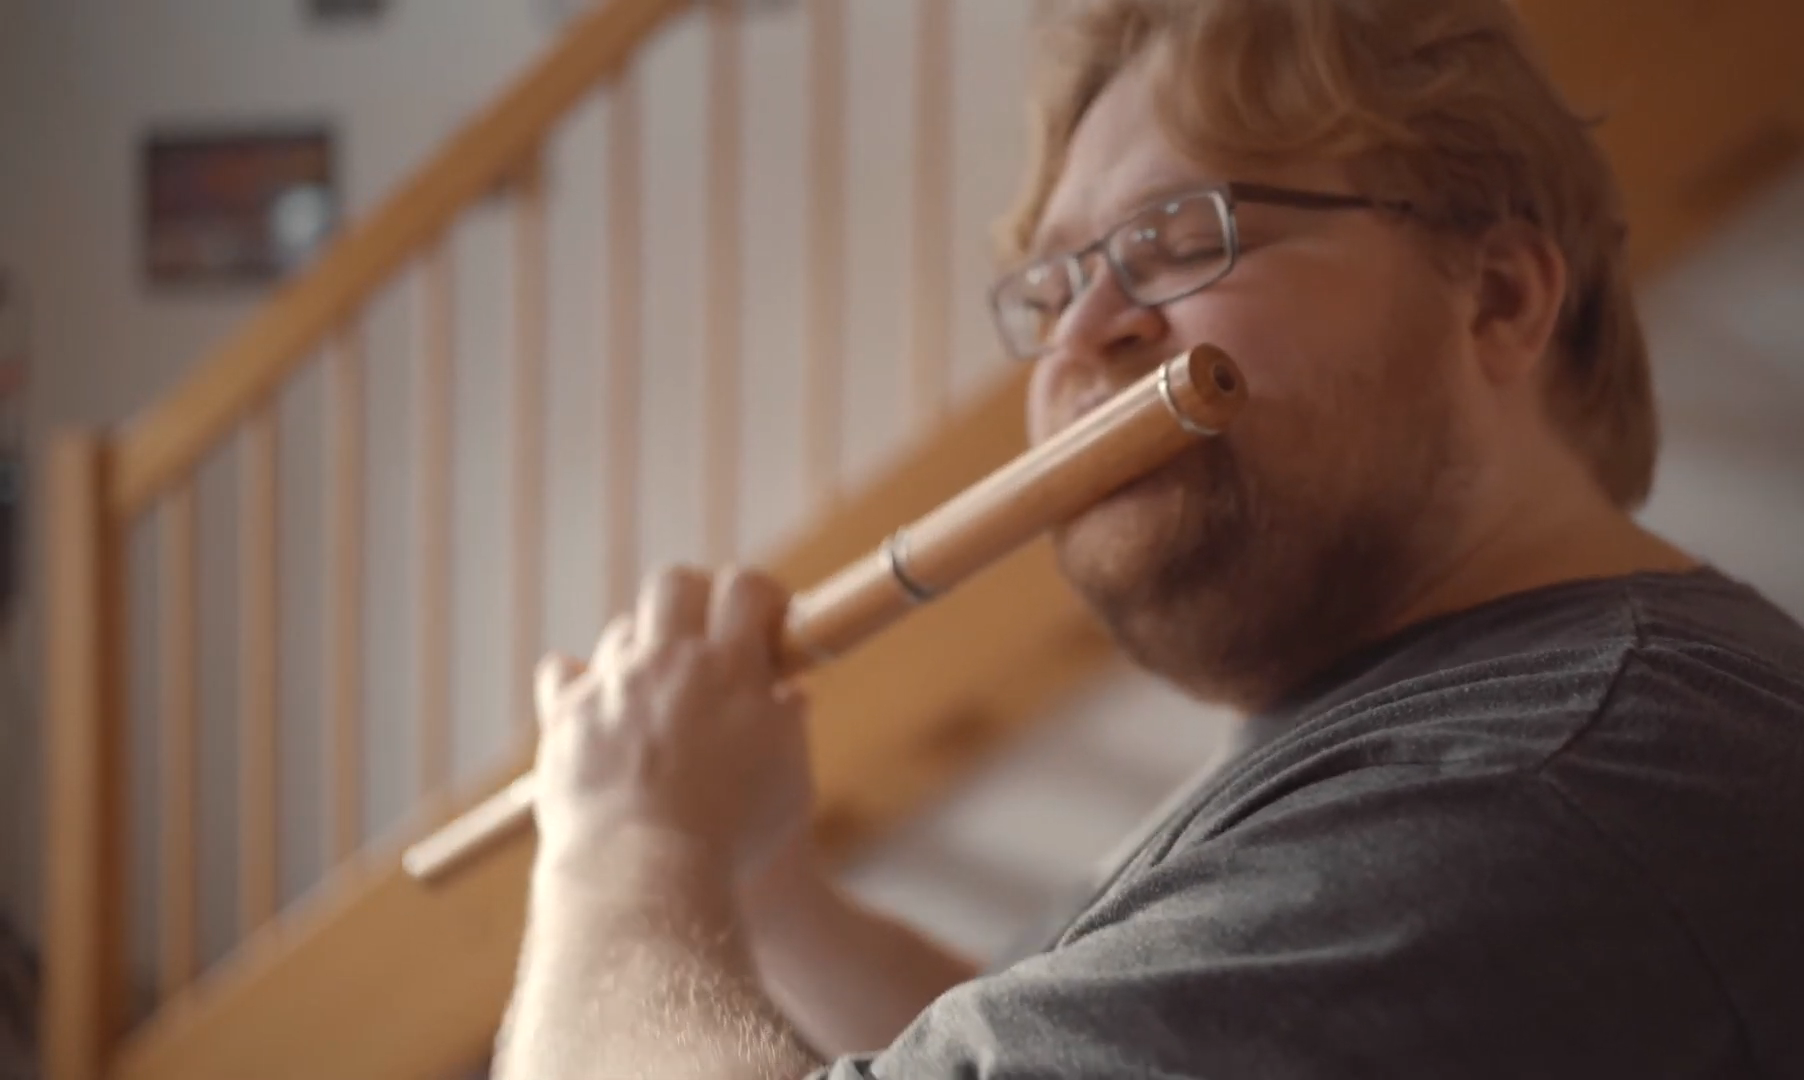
(1728, 342)
(81, 79)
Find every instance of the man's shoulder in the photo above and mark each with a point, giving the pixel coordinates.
(1522, 677)
(1593, 780)
(1716, 647)
(1711, 664)
(1694, 670)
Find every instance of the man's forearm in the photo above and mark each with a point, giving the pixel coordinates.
(646, 975)
(849, 978)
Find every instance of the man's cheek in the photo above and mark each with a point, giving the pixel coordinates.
(1264, 338)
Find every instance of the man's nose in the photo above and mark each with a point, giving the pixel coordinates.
(1104, 324)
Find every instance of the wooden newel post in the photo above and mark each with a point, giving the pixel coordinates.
(84, 734)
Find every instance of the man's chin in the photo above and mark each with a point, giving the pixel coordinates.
(1116, 549)
(1130, 553)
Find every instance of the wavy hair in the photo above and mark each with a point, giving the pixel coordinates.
(1444, 103)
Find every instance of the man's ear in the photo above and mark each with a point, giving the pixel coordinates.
(1521, 286)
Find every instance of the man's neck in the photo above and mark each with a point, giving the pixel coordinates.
(1542, 540)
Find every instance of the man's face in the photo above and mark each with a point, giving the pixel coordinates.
(1255, 559)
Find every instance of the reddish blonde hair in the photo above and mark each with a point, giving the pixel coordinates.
(1440, 102)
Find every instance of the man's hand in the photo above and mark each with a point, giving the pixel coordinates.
(679, 734)
(667, 774)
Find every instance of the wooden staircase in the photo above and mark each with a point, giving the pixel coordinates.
(374, 976)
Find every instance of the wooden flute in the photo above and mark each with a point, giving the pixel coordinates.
(1196, 395)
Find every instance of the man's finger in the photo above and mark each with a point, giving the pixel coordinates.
(615, 646)
(554, 674)
(747, 616)
(673, 605)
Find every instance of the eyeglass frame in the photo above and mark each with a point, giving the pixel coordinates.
(1226, 195)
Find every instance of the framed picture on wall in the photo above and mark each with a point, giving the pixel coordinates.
(245, 206)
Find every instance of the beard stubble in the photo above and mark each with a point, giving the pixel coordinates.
(1237, 575)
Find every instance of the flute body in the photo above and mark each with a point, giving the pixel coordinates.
(1196, 395)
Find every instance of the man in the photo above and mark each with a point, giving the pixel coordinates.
(1516, 793)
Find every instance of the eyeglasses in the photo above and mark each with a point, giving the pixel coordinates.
(1166, 251)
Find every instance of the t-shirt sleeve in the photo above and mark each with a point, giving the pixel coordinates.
(1395, 921)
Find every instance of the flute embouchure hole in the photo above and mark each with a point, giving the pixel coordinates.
(1224, 379)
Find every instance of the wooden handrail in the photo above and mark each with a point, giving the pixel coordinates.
(625, 342)
(85, 916)
(433, 525)
(178, 727)
(930, 347)
(166, 441)
(824, 344)
(723, 288)
(531, 269)
(345, 576)
(259, 666)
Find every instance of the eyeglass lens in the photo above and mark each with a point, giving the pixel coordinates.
(1165, 252)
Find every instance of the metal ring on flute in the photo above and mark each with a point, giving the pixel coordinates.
(893, 547)
(1171, 404)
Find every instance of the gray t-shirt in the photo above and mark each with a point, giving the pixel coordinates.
(1561, 835)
